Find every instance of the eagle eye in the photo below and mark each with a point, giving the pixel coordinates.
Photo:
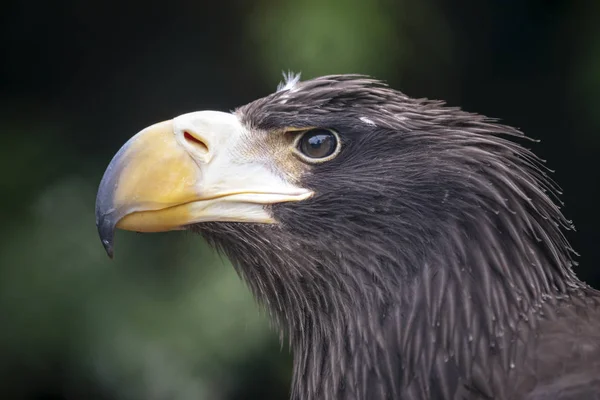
(318, 145)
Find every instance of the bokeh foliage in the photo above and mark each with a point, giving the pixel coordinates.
(169, 318)
(321, 38)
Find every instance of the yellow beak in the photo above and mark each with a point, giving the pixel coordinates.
(184, 171)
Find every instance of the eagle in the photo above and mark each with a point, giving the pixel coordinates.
(407, 249)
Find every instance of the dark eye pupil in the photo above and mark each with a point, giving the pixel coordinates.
(318, 143)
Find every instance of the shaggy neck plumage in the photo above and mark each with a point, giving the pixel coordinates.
(449, 312)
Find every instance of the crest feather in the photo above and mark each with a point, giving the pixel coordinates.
(290, 79)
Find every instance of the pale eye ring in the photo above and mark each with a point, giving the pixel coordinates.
(318, 145)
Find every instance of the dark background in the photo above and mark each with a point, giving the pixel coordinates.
(168, 319)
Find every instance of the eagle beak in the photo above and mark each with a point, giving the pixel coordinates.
(184, 171)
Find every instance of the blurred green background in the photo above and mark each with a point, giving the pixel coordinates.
(168, 318)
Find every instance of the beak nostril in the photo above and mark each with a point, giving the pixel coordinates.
(194, 141)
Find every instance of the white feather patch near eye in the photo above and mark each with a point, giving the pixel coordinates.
(367, 121)
(290, 80)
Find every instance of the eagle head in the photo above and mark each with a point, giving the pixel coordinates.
(394, 240)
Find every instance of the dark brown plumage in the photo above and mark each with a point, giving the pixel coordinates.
(430, 263)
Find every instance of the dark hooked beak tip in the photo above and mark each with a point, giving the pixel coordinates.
(106, 230)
